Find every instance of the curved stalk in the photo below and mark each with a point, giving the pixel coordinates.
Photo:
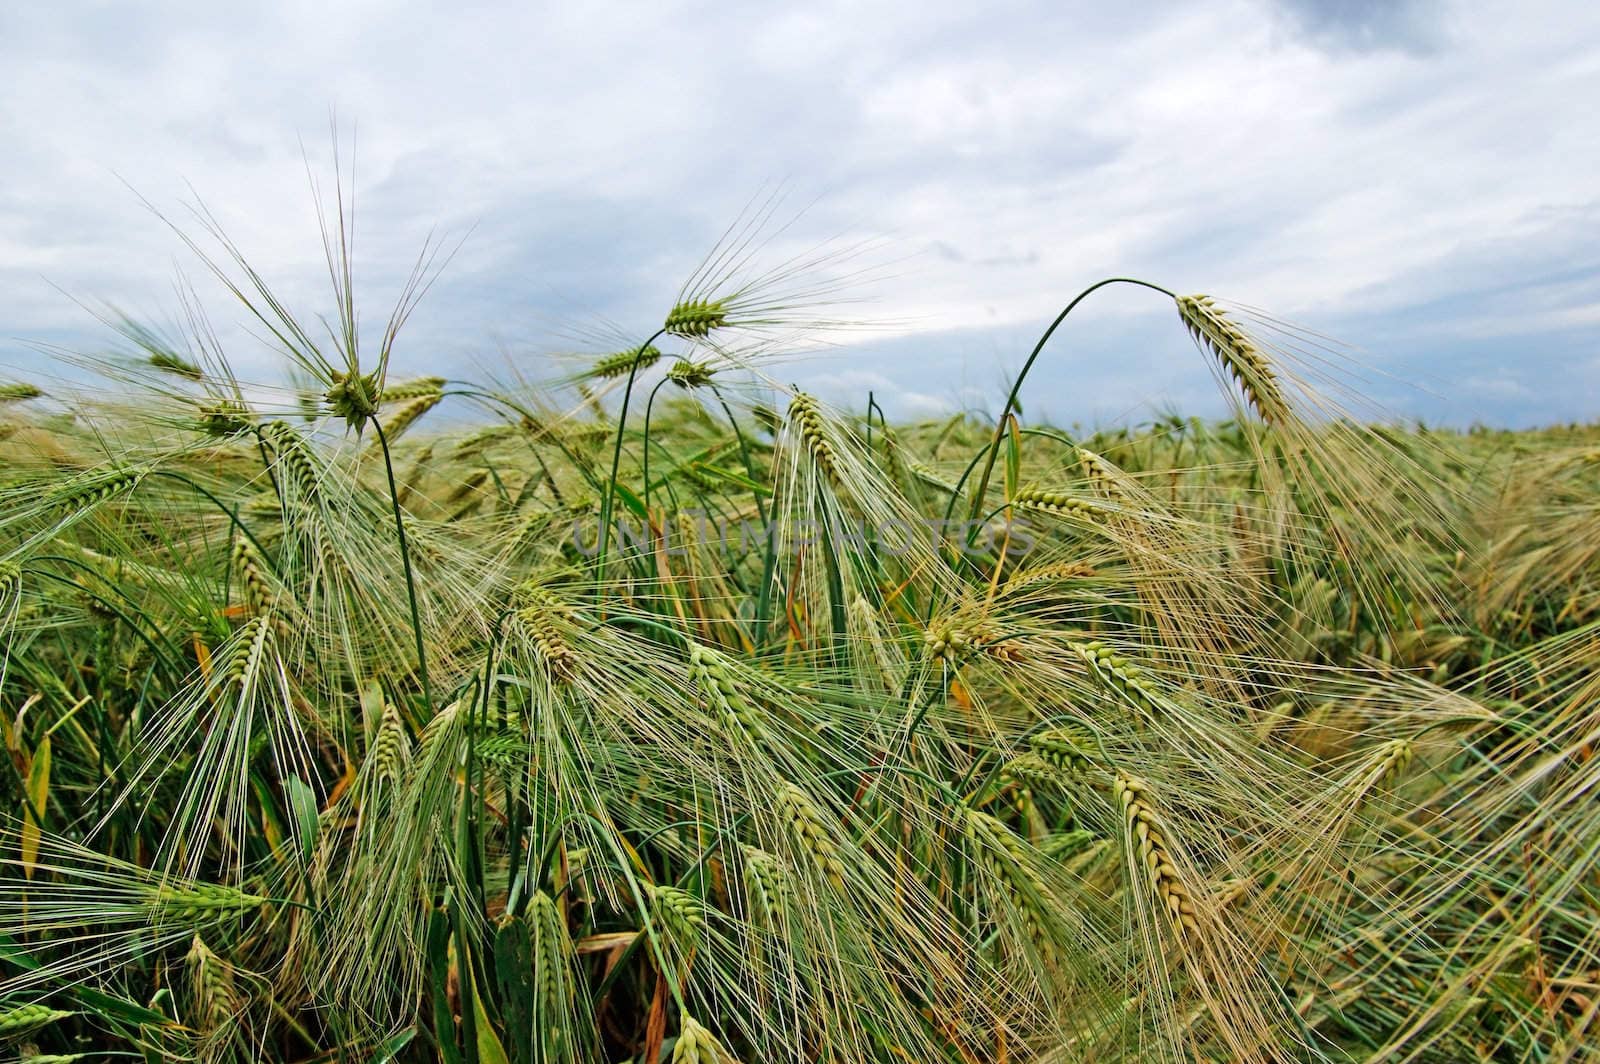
(616, 463)
(1016, 386)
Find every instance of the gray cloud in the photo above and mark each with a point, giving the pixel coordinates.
(1370, 25)
(1412, 177)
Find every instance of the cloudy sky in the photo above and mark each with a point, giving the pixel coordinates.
(1416, 178)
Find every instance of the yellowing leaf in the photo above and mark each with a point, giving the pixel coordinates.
(38, 798)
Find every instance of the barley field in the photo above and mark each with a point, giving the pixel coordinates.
(653, 710)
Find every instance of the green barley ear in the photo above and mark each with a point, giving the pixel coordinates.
(1030, 772)
(1068, 844)
(1063, 750)
(258, 587)
(557, 1003)
(806, 417)
(1003, 856)
(1060, 504)
(1238, 355)
(714, 675)
(414, 388)
(1103, 476)
(1118, 674)
(1149, 845)
(198, 903)
(82, 493)
(953, 640)
(18, 392)
(622, 363)
(1049, 572)
(354, 397)
(696, 318)
(19, 1021)
(409, 412)
(217, 1002)
(177, 365)
(687, 374)
(293, 457)
(804, 820)
(225, 419)
(766, 887)
(1393, 761)
(541, 617)
(696, 1045)
(679, 913)
(390, 751)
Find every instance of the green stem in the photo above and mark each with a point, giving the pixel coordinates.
(1016, 387)
(405, 561)
(649, 405)
(616, 463)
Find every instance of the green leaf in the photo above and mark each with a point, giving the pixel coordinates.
(111, 1007)
(634, 504)
(513, 968)
(303, 803)
(390, 1047)
(444, 1024)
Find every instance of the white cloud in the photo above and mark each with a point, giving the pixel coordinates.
(1337, 163)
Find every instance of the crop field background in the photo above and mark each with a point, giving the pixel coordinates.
(657, 711)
